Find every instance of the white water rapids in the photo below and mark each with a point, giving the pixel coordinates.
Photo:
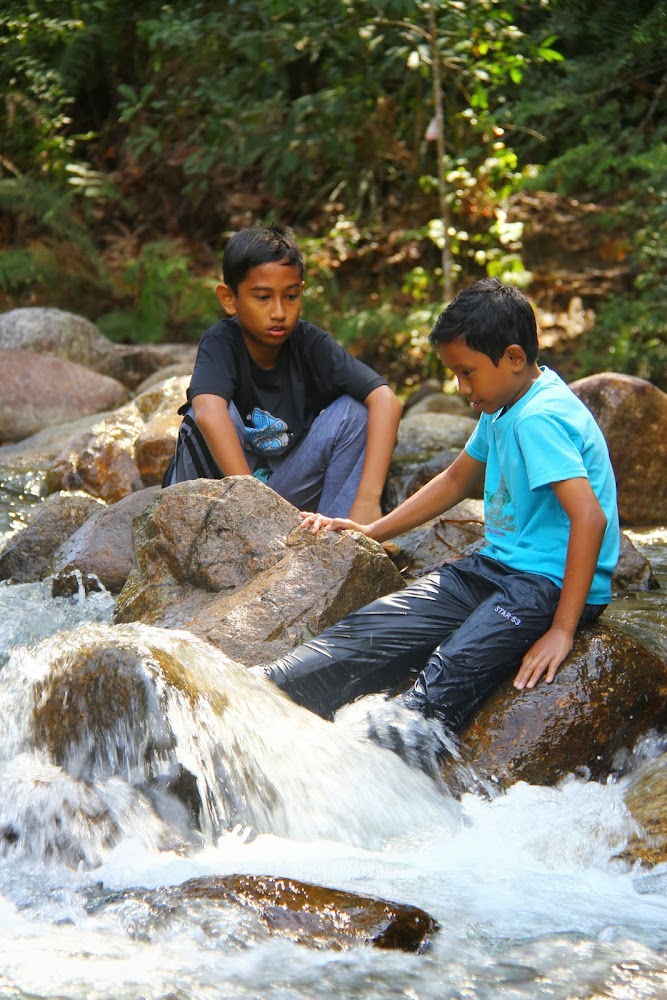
(526, 888)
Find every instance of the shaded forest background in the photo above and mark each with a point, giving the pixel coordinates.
(412, 146)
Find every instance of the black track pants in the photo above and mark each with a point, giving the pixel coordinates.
(461, 631)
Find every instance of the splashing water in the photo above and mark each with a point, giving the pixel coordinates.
(182, 708)
(532, 901)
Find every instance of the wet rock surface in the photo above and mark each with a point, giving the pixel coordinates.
(646, 798)
(609, 691)
(28, 555)
(99, 553)
(309, 914)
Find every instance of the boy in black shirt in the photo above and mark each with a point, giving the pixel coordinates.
(276, 397)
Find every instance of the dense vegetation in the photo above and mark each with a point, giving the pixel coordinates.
(395, 137)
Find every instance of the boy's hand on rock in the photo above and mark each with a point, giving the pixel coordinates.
(315, 522)
(545, 655)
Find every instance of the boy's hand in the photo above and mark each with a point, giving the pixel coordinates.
(315, 522)
(546, 654)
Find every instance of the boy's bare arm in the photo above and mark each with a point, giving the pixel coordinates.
(213, 420)
(587, 528)
(384, 413)
(444, 491)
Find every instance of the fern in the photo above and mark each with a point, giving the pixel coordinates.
(51, 208)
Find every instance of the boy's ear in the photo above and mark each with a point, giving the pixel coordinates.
(516, 356)
(226, 298)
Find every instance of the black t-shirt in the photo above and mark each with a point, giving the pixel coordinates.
(312, 370)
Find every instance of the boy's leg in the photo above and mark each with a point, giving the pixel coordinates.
(380, 646)
(323, 471)
(488, 647)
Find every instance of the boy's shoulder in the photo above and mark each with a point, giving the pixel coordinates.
(551, 396)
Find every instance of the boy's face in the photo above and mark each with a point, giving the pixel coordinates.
(267, 305)
(486, 386)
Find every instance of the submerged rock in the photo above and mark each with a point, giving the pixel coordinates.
(227, 560)
(28, 555)
(609, 691)
(646, 798)
(312, 915)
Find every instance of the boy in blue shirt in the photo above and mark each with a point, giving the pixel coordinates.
(551, 531)
(276, 397)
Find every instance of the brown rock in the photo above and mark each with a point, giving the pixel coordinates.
(633, 571)
(142, 361)
(110, 460)
(310, 914)
(632, 414)
(609, 691)
(458, 533)
(99, 553)
(227, 560)
(40, 391)
(28, 555)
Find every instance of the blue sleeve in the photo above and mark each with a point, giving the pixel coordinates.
(477, 445)
(550, 452)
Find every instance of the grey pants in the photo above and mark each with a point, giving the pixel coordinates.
(321, 472)
(460, 631)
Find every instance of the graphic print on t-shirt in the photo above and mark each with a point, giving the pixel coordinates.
(498, 509)
(267, 435)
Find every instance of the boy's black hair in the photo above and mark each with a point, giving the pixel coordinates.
(255, 246)
(489, 316)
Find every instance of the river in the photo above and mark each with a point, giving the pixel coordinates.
(530, 900)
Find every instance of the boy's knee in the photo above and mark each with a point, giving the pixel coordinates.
(345, 408)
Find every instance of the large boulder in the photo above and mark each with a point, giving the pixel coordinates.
(127, 450)
(99, 553)
(632, 414)
(62, 335)
(609, 691)
(227, 560)
(40, 391)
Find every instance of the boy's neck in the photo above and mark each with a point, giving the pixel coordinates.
(264, 356)
(530, 376)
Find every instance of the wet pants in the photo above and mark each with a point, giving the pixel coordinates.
(461, 631)
(320, 473)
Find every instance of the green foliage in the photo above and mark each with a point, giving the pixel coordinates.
(126, 125)
(162, 298)
(630, 334)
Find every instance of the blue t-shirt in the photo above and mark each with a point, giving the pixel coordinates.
(547, 436)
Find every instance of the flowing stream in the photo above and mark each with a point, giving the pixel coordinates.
(526, 888)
